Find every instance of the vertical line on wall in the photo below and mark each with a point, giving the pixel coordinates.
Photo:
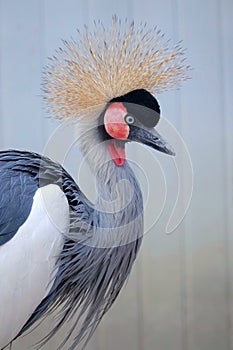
(139, 279)
(226, 170)
(42, 58)
(182, 231)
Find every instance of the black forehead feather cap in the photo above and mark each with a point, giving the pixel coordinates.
(142, 105)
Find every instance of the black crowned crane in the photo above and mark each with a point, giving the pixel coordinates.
(58, 251)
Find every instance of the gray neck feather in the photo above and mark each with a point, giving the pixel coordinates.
(118, 214)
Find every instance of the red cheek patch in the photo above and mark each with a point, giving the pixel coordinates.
(114, 121)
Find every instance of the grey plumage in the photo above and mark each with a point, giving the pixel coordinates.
(17, 191)
(92, 266)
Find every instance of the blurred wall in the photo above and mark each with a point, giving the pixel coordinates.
(180, 294)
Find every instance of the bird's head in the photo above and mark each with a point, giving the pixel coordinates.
(131, 117)
(107, 80)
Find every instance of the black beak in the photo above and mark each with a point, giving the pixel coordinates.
(150, 138)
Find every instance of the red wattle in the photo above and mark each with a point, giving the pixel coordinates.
(117, 153)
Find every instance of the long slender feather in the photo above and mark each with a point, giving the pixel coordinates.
(98, 66)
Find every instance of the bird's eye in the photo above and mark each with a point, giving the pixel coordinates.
(129, 119)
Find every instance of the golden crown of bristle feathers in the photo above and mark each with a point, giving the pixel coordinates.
(109, 63)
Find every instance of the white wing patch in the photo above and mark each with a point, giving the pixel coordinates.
(27, 261)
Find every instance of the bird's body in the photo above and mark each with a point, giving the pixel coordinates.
(58, 251)
(30, 242)
(53, 211)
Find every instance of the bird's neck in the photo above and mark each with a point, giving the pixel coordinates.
(119, 207)
(117, 187)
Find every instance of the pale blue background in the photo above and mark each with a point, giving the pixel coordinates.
(180, 295)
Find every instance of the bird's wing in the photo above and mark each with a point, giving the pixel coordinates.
(21, 174)
(16, 196)
(33, 221)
